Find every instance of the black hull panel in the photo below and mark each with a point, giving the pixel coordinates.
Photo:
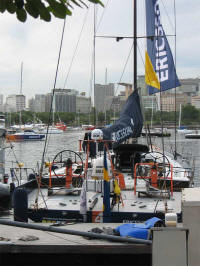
(50, 216)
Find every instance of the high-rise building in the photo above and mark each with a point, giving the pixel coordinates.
(31, 105)
(83, 104)
(189, 86)
(168, 101)
(150, 102)
(39, 104)
(1, 103)
(64, 101)
(101, 92)
(195, 101)
(116, 102)
(20, 102)
(16, 103)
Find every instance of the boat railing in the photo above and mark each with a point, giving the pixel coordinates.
(68, 175)
(153, 175)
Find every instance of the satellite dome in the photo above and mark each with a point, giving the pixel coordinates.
(97, 134)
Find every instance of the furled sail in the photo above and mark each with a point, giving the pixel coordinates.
(160, 73)
(129, 123)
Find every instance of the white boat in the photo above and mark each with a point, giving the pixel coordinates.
(51, 130)
(193, 135)
(133, 183)
(25, 135)
(185, 131)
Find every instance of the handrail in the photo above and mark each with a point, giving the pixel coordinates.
(156, 165)
(67, 175)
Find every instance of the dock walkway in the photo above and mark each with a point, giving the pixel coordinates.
(33, 247)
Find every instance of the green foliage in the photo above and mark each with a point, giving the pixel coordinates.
(190, 114)
(70, 119)
(101, 118)
(42, 8)
(156, 120)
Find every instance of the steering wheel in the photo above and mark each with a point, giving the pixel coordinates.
(156, 156)
(68, 158)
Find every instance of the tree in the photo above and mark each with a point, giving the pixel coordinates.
(101, 118)
(42, 9)
(190, 114)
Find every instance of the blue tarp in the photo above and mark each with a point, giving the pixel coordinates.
(137, 230)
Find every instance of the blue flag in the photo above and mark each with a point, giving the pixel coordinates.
(159, 57)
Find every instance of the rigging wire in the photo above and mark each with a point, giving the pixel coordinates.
(92, 82)
(51, 108)
(170, 22)
(126, 62)
(102, 15)
(175, 144)
(75, 50)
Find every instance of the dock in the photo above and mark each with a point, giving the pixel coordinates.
(32, 247)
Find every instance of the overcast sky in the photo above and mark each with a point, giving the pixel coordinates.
(36, 43)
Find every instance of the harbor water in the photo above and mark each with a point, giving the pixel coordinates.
(30, 152)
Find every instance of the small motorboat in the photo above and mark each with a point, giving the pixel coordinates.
(62, 126)
(184, 131)
(51, 130)
(25, 135)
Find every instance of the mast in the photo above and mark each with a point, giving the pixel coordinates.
(21, 78)
(106, 76)
(180, 111)
(94, 47)
(135, 44)
(20, 112)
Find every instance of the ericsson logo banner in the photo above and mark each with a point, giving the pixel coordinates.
(160, 61)
(123, 133)
(161, 53)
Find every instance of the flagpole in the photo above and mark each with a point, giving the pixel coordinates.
(135, 44)
(106, 192)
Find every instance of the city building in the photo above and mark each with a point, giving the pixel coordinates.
(150, 102)
(39, 104)
(168, 101)
(189, 86)
(20, 102)
(31, 105)
(15, 103)
(64, 101)
(101, 92)
(1, 103)
(195, 101)
(83, 104)
(117, 103)
(128, 89)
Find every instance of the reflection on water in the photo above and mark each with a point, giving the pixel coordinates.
(30, 152)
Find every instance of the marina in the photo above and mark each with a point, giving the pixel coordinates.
(102, 194)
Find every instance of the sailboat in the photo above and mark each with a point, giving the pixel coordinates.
(131, 183)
